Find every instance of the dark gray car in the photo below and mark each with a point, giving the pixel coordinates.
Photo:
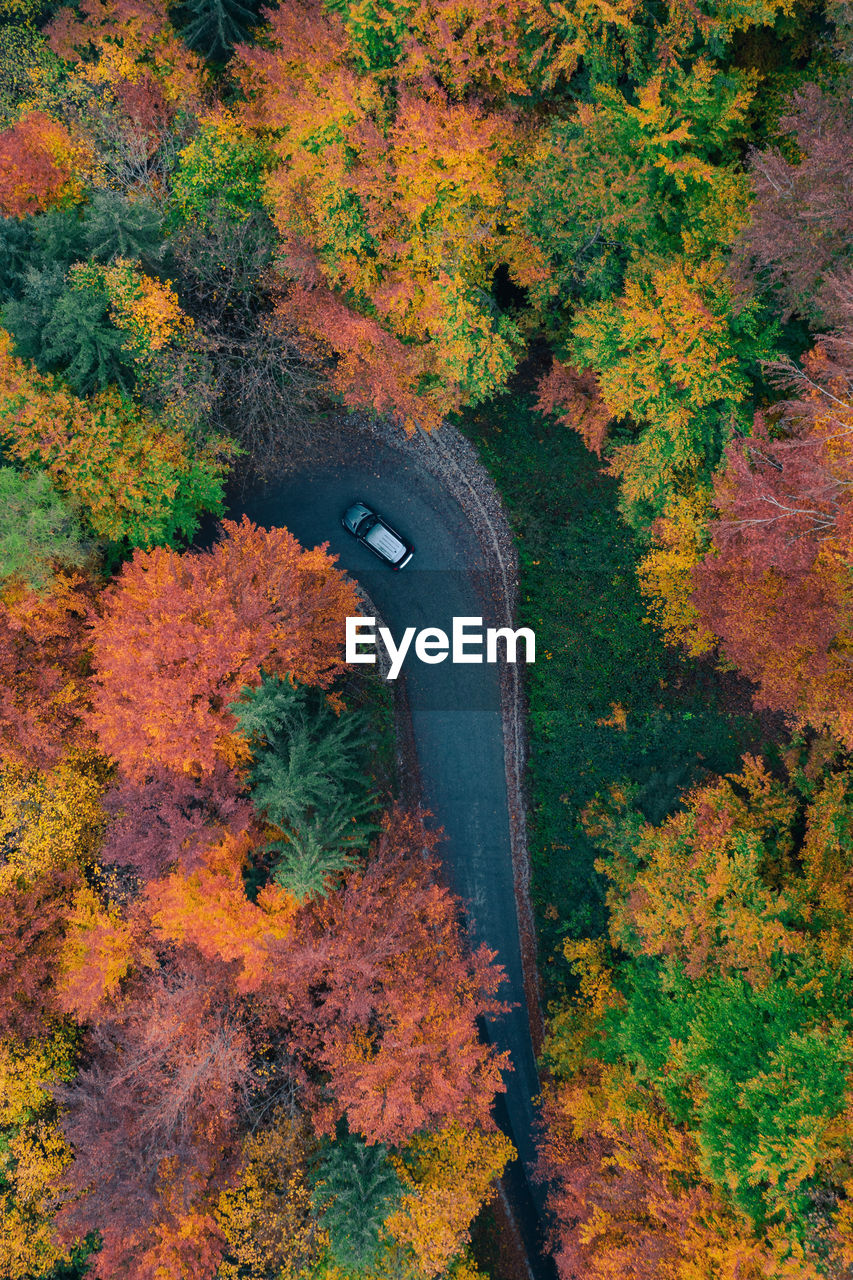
(377, 535)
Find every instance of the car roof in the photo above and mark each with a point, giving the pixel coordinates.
(383, 540)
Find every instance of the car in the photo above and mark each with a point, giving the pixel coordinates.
(375, 533)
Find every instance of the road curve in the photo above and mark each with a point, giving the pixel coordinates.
(456, 720)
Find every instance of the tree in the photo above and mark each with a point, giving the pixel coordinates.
(67, 329)
(357, 1188)
(774, 585)
(382, 996)
(136, 475)
(170, 819)
(209, 908)
(680, 540)
(43, 693)
(267, 1216)
(447, 1178)
(308, 781)
(34, 1152)
(798, 238)
(117, 226)
(574, 400)
(39, 531)
(393, 217)
(32, 925)
(624, 183)
(152, 1120)
(213, 27)
(628, 1195)
(40, 165)
(97, 325)
(120, 42)
(180, 635)
(702, 1078)
(50, 819)
(221, 170)
(673, 355)
(98, 953)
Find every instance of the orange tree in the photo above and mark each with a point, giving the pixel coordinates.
(389, 198)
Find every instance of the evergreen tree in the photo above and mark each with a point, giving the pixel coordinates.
(357, 1190)
(306, 756)
(316, 852)
(213, 27)
(37, 528)
(15, 248)
(308, 780)
(116, 227)
(67, 329)
(59, 236)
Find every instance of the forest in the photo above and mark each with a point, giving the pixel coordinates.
(611, 243)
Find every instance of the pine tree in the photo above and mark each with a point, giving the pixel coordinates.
(358, 1188)
(213, 27)
(308, 780)
(116, 227)
(68, 330)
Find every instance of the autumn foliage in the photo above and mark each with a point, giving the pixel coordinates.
(400, 1043)
(240, 1025)
(366, 1001)
(699, 1095)
(43, 648)
(775, 587)
(40, 165)
(180, 636)
(135, 475)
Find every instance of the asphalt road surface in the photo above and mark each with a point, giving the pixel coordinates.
(456, 720)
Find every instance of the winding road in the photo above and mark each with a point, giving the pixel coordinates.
(456, 722)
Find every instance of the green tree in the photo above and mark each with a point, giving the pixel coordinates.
(633, 176)
(117, 227)
(308, 780)
(358, 1188)
(221, 171)
(67, 329)
(15, 243)
(213, 27)
(38, 529)
(674, 358)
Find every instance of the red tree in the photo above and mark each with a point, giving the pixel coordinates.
(776, 586)
(573, 397)
(37, 165)
(43, 644)
(180, 635)
(380, 993)
(32, 926)
(171, 819)
(152, 1119)
(802, 220)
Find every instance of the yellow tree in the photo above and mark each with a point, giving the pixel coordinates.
(50, 819)
(267, 1215)
(33, 1153)
(448, 1176)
